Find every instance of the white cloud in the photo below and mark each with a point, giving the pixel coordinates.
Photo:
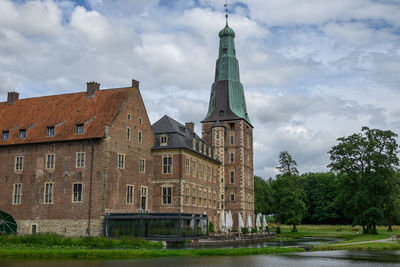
(313, 70)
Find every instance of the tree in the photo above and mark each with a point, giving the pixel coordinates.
(321, 190)
(262, 196)
(366, 162)
(288, 193)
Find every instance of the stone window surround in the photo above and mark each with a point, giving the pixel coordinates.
(50, 161)
(130, 194)
(166, 197)
(80, 161)
(19, 163)
(77, 193)
(48, 195)
(142, 165)
(17, 194)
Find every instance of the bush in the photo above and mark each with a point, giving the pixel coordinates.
(234, 230)
(211, 228)
(278, 230)
(254, 230)
(245, 230)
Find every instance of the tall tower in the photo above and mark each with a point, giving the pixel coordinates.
(228, 128)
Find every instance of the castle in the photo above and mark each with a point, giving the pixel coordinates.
(86, 163)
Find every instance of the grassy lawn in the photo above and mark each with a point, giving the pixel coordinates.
(53, 246)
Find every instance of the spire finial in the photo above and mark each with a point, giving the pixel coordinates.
(226, 11)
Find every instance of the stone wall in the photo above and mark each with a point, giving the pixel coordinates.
(74, 228)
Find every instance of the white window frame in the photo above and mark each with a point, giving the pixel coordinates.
(167, 167)
(77, 193)
(187, 165)
(48, 196)
(130, 194)
(17, 194)
(144, 189)
(121, 161)
(48, 156)
(80, 128)
(52, 130)
(79, 162)
(142, 165)
(166, 197)
(19, 163)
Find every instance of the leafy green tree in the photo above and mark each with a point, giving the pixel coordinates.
(288, 193)
(321, 190)
(366, 162)
(262, 196)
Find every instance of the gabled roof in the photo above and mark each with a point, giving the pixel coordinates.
(179, 136)
(62, 111)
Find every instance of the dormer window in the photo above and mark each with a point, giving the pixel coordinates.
(194, 143)
(50, 131)
(5, 135)
(80, 128)
(163, 140)
(22, 133)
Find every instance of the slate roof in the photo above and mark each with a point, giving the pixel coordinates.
(63, 112)
(179, 136)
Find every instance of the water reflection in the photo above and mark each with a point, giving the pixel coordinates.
(321, 258)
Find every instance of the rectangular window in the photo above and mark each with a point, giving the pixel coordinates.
(214, 175)
(140, 120)
(187, 165)
(22, 134)
(232, 177)
(80, 159)
(129, 117)
(80, 128)
(17, 194)
(209, 174)
(143, 202)
(121, 161)
(232, 197)
(167, 164)
(5, 135)
(200, 170)
(142, 164)
(194, 171)
(19, 163)
(167, 195)
(140, 138)
(50, 131)
(232, 157)
(129, 194)
(232, 140)
(48, 193)
(77, 193)
(128, 133)
(50, 161)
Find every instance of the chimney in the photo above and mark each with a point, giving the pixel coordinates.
(92, 88)
(190, 126)
(135, 84)
(12, 97)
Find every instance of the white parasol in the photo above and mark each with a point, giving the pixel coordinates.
(258, 222)
(265, 224)
(249, 222)
(240, 222)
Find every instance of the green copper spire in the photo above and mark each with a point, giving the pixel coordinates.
(227, 99)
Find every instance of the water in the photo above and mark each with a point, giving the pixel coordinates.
(303, 259)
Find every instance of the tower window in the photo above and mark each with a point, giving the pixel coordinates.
(129, 117)
(232, 197)
(232, 140)
(232, 177)
(224, 50)
(221, 113)
(232, 157)
(232, 125)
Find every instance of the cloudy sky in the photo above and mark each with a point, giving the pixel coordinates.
(313, 70)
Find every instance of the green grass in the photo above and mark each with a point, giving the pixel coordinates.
(138, 253)
(53, 246)
(49, 240)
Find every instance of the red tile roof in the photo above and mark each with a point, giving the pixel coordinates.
(63, 112)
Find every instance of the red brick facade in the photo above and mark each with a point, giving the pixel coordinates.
(103, 176)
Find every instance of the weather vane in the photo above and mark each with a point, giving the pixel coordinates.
(226, 11)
